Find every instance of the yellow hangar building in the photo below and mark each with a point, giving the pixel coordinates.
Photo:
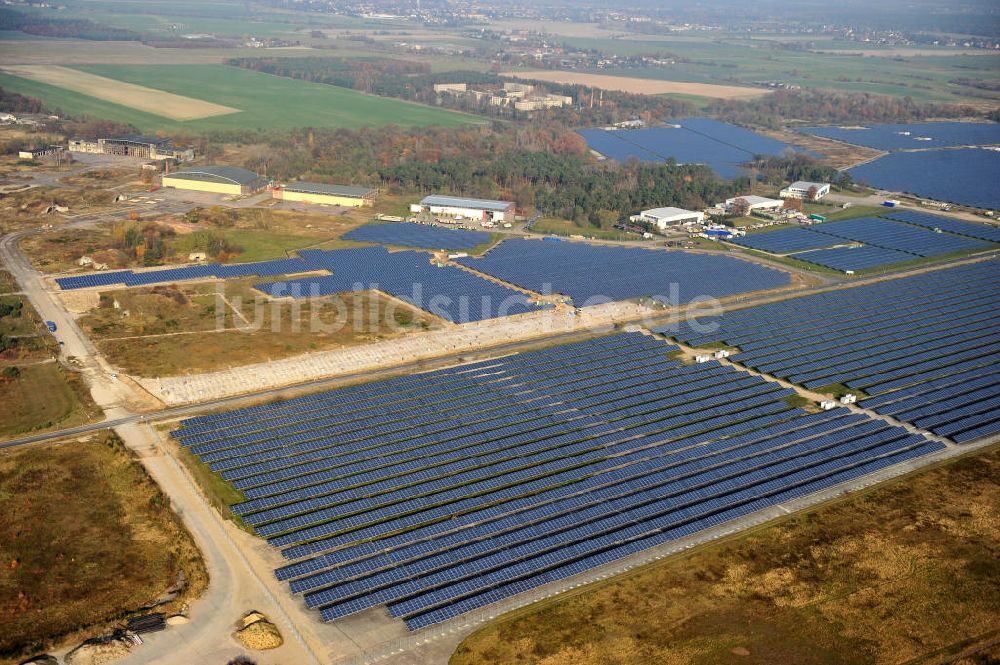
(216, 179)
(323, 194)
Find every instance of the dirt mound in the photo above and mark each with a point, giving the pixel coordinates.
(258, 633)
(98, 653)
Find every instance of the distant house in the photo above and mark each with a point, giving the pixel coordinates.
(197, 256)
(800, 190)
(664, 217)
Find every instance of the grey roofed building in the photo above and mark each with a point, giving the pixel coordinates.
(222, 174)
(458, 202)
(333, 190)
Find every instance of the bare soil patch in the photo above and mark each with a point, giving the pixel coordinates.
(639, 86)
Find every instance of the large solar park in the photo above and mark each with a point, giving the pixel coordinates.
(585, 273)
(431, 495)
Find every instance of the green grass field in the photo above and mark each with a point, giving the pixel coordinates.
(265, 101)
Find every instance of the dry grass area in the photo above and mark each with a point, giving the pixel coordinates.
(26, 209)
(908, 572)
(36, 392)
(141, 98)
(258, 233)
(228, 326)
(639, 86)
(87, 537)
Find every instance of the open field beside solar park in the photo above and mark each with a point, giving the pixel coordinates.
(639, 86)
(905, 572)
(87, 537)
(28, 369)
(262, 100)
(153, 329)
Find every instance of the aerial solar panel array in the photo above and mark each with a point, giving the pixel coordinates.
(451, 293)
(869, 243)
(923, 348)
(913, 136)
(435, 494)
(593, 273)
(972, 230)
(854, 259)
(446, 291)
(900, 237)
(786, 241)
(130, 278)
(408, 234)
(723, 147)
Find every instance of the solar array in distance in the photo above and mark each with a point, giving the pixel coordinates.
(785, 241)
(854, 258)
(981, 231)
(438, 493)
(408, 234)
(885, 242)
(917, 338)
(900, 237)
(723, 147)
(911, 136)
(594, 273)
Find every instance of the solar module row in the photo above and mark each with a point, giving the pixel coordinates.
(969, 229)
(409, 234)
(406, 494)
(925, 347)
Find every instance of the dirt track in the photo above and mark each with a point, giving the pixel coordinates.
(639, 85)
(158, 102)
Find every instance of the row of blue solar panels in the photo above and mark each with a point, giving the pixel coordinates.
(409, 234)
(910, 136)
(436, 493)
(897, 339)
(167, 275)
(972, 230)
(591, 274)
(786, 241)
(446, 291)
(897, 236)
(853, 259)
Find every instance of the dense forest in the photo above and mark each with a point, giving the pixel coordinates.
(12, 102)
(568, 186)
(63, 27)
(824, 106)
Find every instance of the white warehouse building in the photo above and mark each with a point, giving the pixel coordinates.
(756, 202)
(800, 190)
(476, 209)
(664, 217)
